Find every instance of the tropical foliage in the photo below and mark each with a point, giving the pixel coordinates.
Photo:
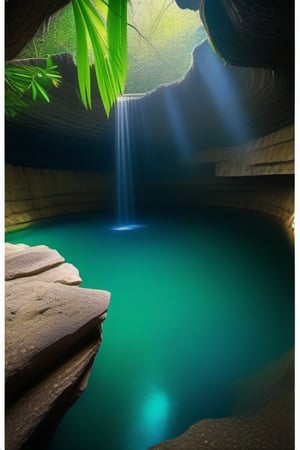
(26, 82)
(159, 35)
(101, 35)
(161, 52)
(104, 30)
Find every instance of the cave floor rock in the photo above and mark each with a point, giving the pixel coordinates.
(53, 332)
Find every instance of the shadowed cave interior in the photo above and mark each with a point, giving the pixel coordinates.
(149, 254)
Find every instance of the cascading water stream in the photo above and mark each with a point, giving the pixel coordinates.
(125, 204)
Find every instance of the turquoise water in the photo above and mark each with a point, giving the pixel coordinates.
(199, 299)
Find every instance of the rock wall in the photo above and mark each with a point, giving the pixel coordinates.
(52, 333)
(23, 20)
(257, 176)
(272, 154)
(272, 200)
(251, 33)
(36, 194)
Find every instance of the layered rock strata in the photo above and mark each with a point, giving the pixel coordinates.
(272, 154)
(53, 332)
(270, 200)
(36, 194)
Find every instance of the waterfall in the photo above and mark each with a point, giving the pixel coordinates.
(125, 204)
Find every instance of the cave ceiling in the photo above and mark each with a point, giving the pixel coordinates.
(253, 40)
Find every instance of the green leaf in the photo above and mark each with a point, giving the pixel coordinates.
(109, 45)
(101, 59)
(22, 79)
(49, 63)
(17, 75)
(83, 69)
(104, 32)
(33, 90)
(117, 39)
(41, 91)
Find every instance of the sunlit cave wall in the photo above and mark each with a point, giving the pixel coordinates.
(59, 156)
(32, 195)
(222, 135)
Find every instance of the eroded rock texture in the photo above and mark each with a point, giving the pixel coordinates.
(255, 33)
(32, 195)
(53, 332)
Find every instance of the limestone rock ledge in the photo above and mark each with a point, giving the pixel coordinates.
(53, 332)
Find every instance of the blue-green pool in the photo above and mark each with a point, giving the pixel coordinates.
(199, 299)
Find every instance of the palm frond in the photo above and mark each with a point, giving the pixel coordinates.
(105, 30)
(83, 70)
(117, 39)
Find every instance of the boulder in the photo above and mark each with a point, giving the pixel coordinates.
(53, 332)
(43, 322)
(47, 400)
(31, 260)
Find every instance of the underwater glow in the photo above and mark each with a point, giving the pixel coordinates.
(127, 227)
(155, 414)
(199, 300)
